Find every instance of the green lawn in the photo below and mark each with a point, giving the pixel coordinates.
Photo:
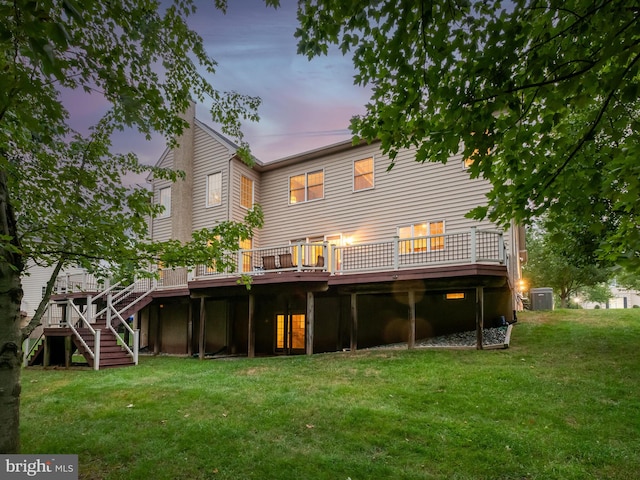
(563, 402)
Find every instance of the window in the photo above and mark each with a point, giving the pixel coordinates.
(165, 201)
(436, 228)
(306, 187)
(363, 174)
(428, 229)
(214, 189)
(246, 192)
(290, 332)
(455, 296)
(247, 264)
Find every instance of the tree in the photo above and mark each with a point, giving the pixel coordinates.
(600, 293)
(542, 96)
(147, 64)
(554, 261)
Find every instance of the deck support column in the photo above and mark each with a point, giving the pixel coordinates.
(156, 343)
(310, 322)
(251, 351)
(67, 351)
(190, 329)
(479, 316)
(46, 361)
(411, 341)
(203, 320)
(354, 323)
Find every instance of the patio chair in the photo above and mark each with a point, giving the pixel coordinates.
(319, 264)
(269, 262)
(285, 260)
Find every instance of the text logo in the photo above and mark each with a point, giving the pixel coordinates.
(50, 467)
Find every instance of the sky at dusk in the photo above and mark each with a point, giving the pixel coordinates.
(305, 104)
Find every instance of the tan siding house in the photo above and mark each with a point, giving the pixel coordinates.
(351, 254)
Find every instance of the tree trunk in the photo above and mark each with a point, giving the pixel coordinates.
(564, 299)
(11, 266)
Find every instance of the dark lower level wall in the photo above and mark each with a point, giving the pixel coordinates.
(383, 318)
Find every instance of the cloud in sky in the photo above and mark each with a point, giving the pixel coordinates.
(305, 104)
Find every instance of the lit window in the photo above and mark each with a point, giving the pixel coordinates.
(436, 228)
(246, 256)
(246, 192)
(455, 296)
(296, 189)
(410, 241)
(363, 174)
(306, 187)
(214, 189)
(165, 201)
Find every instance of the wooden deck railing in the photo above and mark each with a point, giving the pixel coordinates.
(470, 246)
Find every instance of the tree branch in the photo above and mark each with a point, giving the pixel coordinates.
(591, 130)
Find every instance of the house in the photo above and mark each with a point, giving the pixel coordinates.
(351, 254)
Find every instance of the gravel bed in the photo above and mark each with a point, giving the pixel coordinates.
(490, 337)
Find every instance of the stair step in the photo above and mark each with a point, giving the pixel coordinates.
(115, 362)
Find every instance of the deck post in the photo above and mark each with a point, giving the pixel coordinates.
(333, 265)
(473, 245)
(203, 319)
(136, 346)
(67, 351)
(501, 248)
(46, 361)
(96, 351)
(49, 313)
(354, 323)
(396, 253)
(156, 343)
(310, 322)
(190, 329)
(67, 312)
(251, 351)
(479, 316)
(89, 311)
(411, 341)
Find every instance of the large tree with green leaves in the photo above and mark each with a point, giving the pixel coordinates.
(61, 200)
(542, 95)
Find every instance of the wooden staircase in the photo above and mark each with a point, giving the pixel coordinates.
(58, 344)
(111, 353)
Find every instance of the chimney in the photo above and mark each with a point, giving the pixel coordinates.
(182, 189)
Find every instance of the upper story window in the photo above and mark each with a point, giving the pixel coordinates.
(306, 187)
(165, 201)
(246, 192)
(214, 189)
(427, 229)
(363, 174)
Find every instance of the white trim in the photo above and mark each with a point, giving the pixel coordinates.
(219, 202)
(167, 211)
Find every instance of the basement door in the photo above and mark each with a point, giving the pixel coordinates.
(290, 333)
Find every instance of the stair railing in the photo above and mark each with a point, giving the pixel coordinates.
(104, 293)
(113, 311)
(94, 354)
(32, 347)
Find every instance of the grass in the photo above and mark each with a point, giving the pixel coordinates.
(563, 402)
